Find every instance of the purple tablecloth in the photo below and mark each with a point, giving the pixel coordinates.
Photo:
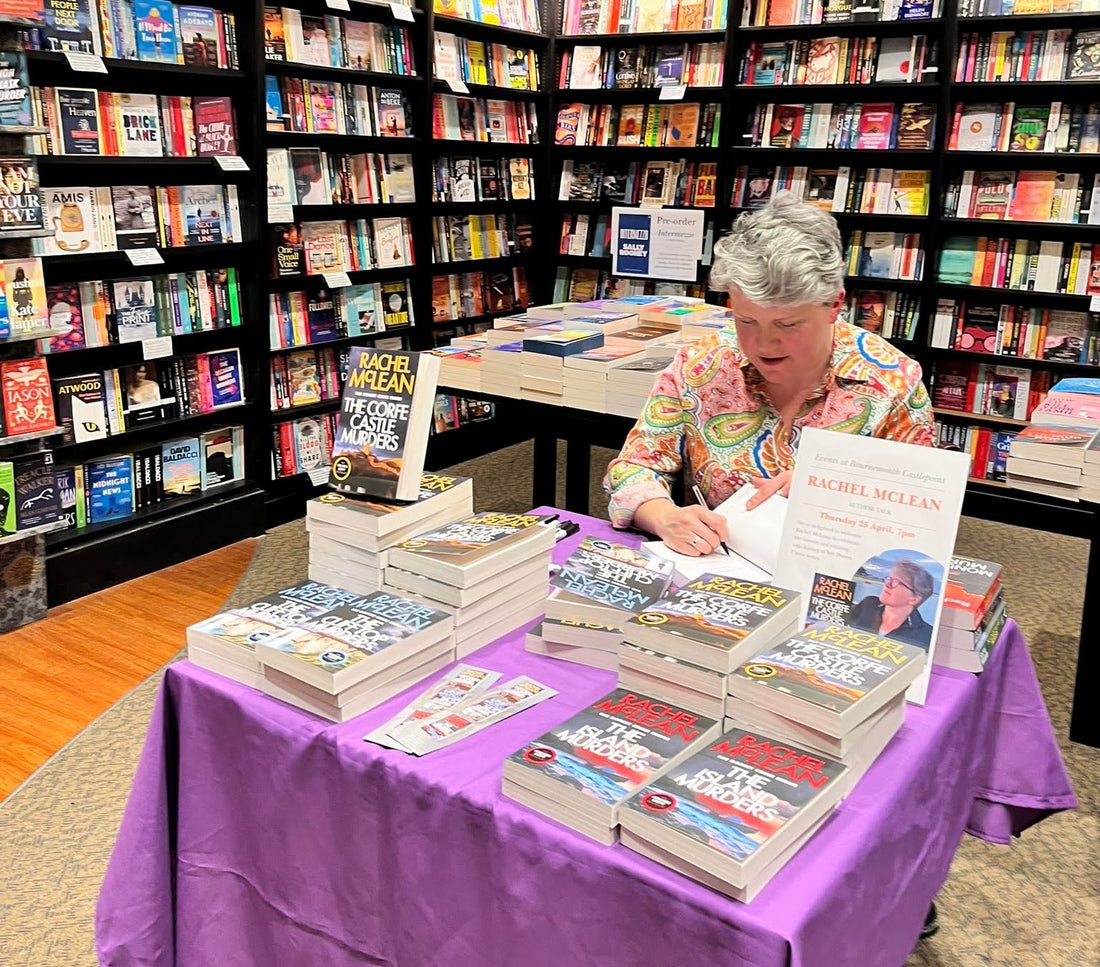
(258, 834)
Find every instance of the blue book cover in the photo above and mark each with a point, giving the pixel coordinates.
(225, 378)
(155, 30)
(1078, 384)
(110, 486)
(15, 94)
(181, 463)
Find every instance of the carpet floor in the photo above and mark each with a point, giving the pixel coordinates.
(1033, 904)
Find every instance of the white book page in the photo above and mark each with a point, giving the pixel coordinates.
(753, 541)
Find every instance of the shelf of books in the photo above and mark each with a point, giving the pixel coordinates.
(345, 93)
(136, 278)
(1015, 302)
(638, 120)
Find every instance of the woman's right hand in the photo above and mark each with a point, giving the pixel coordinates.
(692, 530)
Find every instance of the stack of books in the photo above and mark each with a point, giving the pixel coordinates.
(837, 691)
(683, 647)
(348, 659)
(581, 771)
(459, 366)
(543, 358)
(973, 614)
(350, 537)
(734, 812)
(1059, 453)
(628, 385)
(500, 368)
(584, 376)
(226, 643)
(488, 570)
(599, 587)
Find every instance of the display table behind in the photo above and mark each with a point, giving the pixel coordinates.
(258, 834)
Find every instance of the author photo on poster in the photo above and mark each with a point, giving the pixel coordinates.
(896, 596)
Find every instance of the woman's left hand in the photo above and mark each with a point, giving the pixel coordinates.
(766, 486)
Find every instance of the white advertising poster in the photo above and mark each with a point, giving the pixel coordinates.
(658, 243)
(869, 535)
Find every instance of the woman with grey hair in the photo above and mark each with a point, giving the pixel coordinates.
(893, 611)
(730, 408)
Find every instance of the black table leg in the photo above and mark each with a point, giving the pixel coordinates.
(578, 461)
(545, 477)
(1084, 719)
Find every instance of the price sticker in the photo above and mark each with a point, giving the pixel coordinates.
(338, 5)
(88, 63)
(336, 280)
(459, 87)
(318, 476)
(231, 162)
(401, 12)
(280, 214)
(674, 92)
(144, 256)
(156, 348)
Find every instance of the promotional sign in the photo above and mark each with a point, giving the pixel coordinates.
(869, 535)
(664, 243)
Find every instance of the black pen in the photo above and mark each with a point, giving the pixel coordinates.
(699, 497)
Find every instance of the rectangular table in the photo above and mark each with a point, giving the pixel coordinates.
(258, 834)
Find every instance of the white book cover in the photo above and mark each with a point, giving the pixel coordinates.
(869, 534)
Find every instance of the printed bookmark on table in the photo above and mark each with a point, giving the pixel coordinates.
(460, 683)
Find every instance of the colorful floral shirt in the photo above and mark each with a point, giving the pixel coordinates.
(710, 410)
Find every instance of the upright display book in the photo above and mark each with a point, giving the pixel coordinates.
(879, 514)
(607, 582)
(734, 812)
(829, 677)
(468, 550)
(716, 621)
(972, 584)
(596, 759)
(337, 648)
(384, 421)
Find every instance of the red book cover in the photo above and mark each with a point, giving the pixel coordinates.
(215, 127)
(28, 401)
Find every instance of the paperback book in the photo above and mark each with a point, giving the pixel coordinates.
(384, 422)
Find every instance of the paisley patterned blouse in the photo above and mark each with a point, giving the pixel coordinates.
(710, 410)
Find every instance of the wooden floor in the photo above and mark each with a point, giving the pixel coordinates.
(58, 674)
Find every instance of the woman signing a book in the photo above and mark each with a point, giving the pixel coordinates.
(730, 408)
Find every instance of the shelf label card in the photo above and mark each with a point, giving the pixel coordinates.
(1094, 304)
(338, 5)
(459, 87)
(674, 92)
(401, 12)
(144, 256)
(318, 476)
(156, 348)
(280, 214)
(88, 63)
(231, 162)
(336, 280)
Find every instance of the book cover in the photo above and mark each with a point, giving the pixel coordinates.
(20, 198)
(215, 126)
(28, 402)
(1084, 59)
(181, 463)
(609, 749)
(203, 210)
(72, 214)
(977, 126)
(568, 123)
(138, 125)
(736, 807)
(828, 676)
(155, 32)
(345, 644)
(384, 422)
(469, 540)
(80, 402)
(714, 620)
(15, 91)
(380, 518)
(274, 34)
(109, 483)
(916, 127)
(1029, 128)
(993, 191)
(25, 290)
(396, 307)
(199, 32)
(66, 315)
(892, 533)
(68, 25)
(37, 501)
(135, 216)
(971, 586)
(226, 380)
(611, 577)
(831, 600)
(135, 309)
(392, 119)
(78, 120)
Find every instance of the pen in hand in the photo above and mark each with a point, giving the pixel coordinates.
(699, 497)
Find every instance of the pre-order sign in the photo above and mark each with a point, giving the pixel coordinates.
(664, 243)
